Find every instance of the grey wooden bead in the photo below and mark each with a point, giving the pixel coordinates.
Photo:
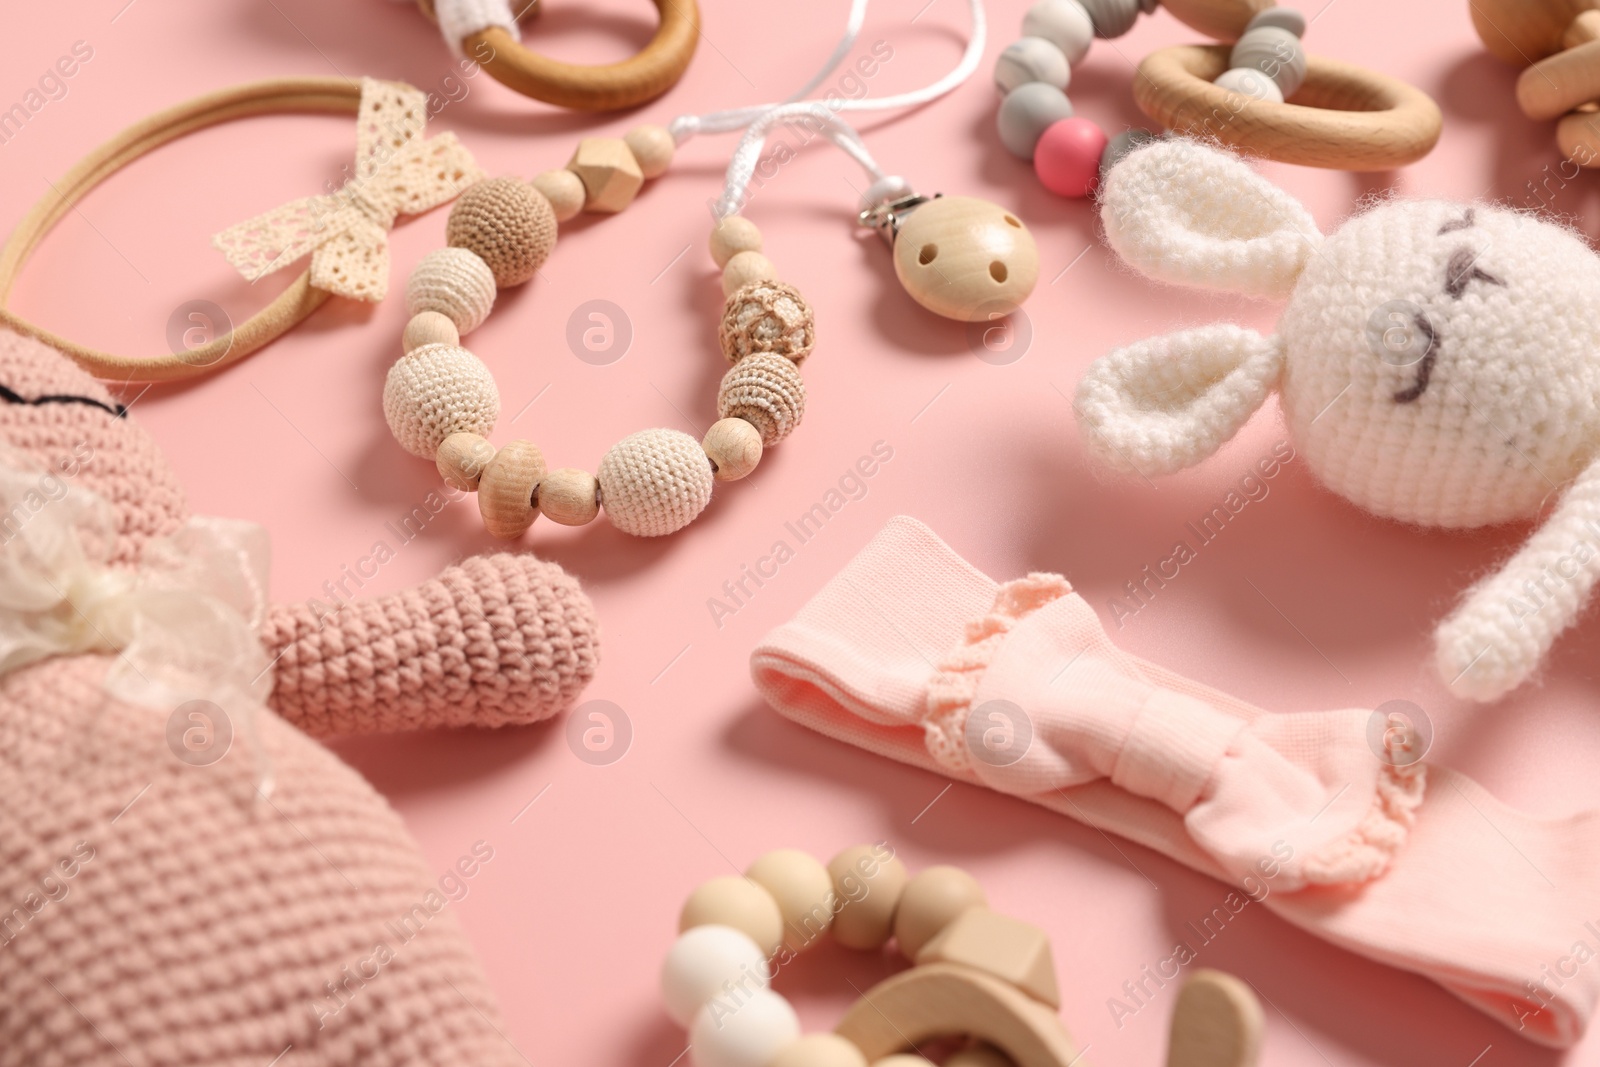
(1026, 112)
(1112, 18)
(1064, 23)
(1275, 52)
(1285, 18)
(1031, 59)
(1120, 146)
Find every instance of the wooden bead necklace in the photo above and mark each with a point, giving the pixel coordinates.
(1236, 94)
(1558, 41)
(978, 978)
(958, 256)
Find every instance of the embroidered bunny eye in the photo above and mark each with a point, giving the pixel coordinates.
(1462, 270)
(11, 396)
(1465, 222)
(1430, 338)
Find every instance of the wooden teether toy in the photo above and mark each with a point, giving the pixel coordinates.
(486, 31)
(977, 975)
(1558, 41)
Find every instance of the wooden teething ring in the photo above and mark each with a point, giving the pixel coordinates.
(607, 87)
(278, 95)
(1344, 117)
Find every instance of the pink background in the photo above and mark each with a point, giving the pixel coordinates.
(1303, 603)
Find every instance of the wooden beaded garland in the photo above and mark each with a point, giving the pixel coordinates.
(976, 974)
(441, 402)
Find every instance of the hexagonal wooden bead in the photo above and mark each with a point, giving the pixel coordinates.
(461, 460)
(652, 147)
(429, 328)
(564, 190)
(505, 490)
(1007, 948)
(569, 496)
(611, 176)
(734, 447)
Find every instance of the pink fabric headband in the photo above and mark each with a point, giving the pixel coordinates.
(914, 654)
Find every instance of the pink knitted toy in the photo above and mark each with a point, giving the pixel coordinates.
(267, 906)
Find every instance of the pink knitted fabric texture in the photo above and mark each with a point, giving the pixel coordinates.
(154, 913)
(495, 641)
(1414, 866)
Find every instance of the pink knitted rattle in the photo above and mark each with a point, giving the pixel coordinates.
(1434, 364)
(188, 877)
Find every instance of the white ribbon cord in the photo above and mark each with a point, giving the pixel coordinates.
(759, 120)
(460, 19)
(183, 625)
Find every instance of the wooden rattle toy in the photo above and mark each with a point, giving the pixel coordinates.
(977, 975)
(486, 31)
(960, 257)
(1558, 41)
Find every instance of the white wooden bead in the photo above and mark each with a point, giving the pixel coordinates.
(1031, 59)
(731, 236)
(868, 882)
(652, 147)
(437, 391)
(505, 491)
(745, 268)
(1250, 83)
(1065, 24)
(569, 496)
(455, 283)
(701, 960)
(820, 1050)
(804, 892)
(931, 901)
(765, 390)
(461, 460)
(734, 447)
(748, 1032)
(564, 190)
(966, 258)
(429, 328)
(739, 903)
(654, 482)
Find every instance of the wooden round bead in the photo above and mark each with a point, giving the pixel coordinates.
(739, 903)
(766, 317)
(765, 390)
(868, 887)
(455, 283)
(734, 448)
(563, 189)
(980, 1055)
(966, 259)
(731, 236)
(804, 892)
(461, 460)
(930, 902)
(652, 146)
(437, 391)
(569, 496)
(820, 1050)
(744, 268)
(903, 1059)
(505, 491)
(508, 224)
(429, 328)
(654, 482)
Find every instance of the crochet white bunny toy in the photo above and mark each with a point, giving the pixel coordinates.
(1437, 364)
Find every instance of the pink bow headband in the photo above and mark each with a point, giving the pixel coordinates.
(912, 653)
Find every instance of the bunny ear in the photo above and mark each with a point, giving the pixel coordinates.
(1167, 403)
(1181, 212)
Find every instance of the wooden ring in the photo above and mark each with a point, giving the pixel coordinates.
(311, 95)
(1344, 117)
(607, 87)
(1555, 85)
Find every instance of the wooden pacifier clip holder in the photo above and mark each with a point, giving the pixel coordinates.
(486, 32)
(397, 171)
(980, 981)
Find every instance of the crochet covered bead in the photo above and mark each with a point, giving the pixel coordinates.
(766, 391)
(508, 224)
(654, 482)
(766, 317)
(437, 391)
(455, 283)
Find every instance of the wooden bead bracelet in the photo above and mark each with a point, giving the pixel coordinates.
(441, 402)
(1558, 41)
(978, 977)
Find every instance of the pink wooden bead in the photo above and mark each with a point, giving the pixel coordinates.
(1067, 157)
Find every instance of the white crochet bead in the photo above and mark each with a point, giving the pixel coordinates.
(655, 482)
(1065, 24)
(455, 283)
(1031, 59)
(459, 19)
(436, 391)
